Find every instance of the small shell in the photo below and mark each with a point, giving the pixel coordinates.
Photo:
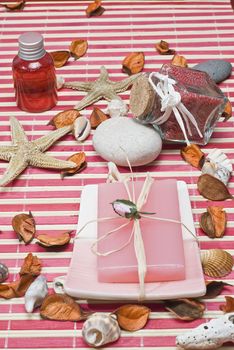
(216, 263)
(3, 272)
(117, 108)
(220, 158)
(221, 173)
(36, 293)
(100, 329)
(60, 82)
(82, 128)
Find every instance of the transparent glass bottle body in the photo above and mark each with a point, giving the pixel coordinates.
(199, 94)
(35, 83)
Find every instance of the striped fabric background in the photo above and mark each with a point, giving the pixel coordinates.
(197, 29)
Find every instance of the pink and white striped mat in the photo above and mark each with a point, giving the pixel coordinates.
(197, 29)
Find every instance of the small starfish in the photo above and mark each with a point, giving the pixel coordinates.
(23, 152)
(103, 87)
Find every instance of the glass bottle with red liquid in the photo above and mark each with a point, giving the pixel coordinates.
(34, 75)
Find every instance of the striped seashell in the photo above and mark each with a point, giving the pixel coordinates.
(82, 128)
(216, 263)
(100, 329)
(3, 272)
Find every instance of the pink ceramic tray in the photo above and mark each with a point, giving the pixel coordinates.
(81, 280)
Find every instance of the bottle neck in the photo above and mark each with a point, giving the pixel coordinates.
(32, 55)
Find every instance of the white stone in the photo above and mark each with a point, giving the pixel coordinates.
(115, 138)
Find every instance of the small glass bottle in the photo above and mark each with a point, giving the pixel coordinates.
(34, 75)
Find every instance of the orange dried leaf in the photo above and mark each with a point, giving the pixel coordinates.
(185, 309)
(24, 226)
(163, 48)
(132, 317)
(179, 61)
(61, 307)
(133, 63)
(50, 241)
(19, 5)
(97, 117)
(193, 155)
(64, 118)
(78, 48)
(80, 160)
(212, 188)
(227, 113)
(229, 306)
(94, 9)
(60, 58)
(214, 221)
(31, 266)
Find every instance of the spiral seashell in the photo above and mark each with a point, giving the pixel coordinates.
(36, 293)
(82, 128)
(216, 263)
(218, 157)
(216, 170)
(3, 272)
(100, 329)
(117, 108)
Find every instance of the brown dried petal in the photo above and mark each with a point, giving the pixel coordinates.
(133, 63)
(60, 58)
(207, 225)
(132, 317)
(227, 113)
(212, 188)
(186, 309)
(24, 226)
(31, 266)
(179, 61)
(64, 118)
(214, 288)
(229, 306)
(94, 9)
(61, 307)
(219, 219)
(50, 241)
(163, 48)
(80, 160)
(97, 117)
(78, 48)
(193, 155)
(19, 5)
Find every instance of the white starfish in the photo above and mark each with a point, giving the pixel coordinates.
(103, 87)
(23, 152)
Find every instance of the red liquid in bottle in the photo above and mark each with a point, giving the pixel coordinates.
(34, 78)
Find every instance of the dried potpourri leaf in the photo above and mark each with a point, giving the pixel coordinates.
(95, 9)
(163, 48)
(24, 226)
(30, 269)
(214, 221)
(64, 118)
(227, 113)
(133, 63)
(97, 117)
(19, 5)
(80, 160)
(193, 155)
(212, 188)
(60, 58)
(132, 317)
(185, 309)
(214, 288)
(61, 307)
(180, 61)
(48, 241)
(229, 306)
(78, 48)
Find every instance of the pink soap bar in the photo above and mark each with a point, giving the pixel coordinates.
(162, 240)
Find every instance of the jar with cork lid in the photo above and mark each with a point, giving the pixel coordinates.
(34, 75)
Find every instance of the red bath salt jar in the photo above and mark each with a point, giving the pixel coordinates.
(199, 95)
(34, 75)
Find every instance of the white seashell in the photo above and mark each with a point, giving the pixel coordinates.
(117, 108)
(218, 157)
(58, 284)
(114, 175)
(82, 128)
(216, 170)
(209, 335)
(36, 293)
(100, 329)
(60, 82)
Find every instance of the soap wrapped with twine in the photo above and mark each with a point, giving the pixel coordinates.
(131, 209)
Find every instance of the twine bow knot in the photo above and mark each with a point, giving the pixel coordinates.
(171, 102)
